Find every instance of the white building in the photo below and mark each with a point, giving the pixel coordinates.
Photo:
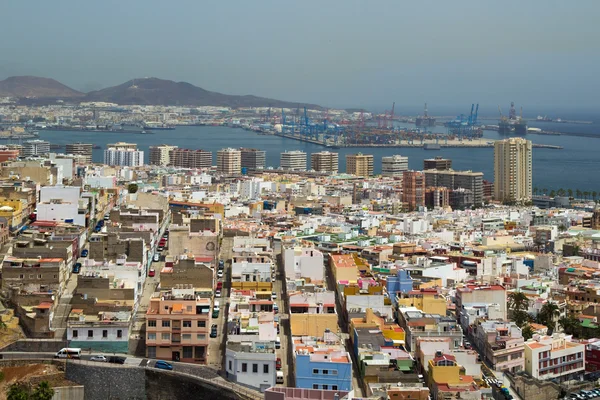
(123, 157)
(554, 357)
(62, 203)
(394, 166)
(37, 147)
(303, 262)
(251, 364)
(293, 160)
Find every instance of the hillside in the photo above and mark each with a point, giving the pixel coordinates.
(154, 91)
(33, 86)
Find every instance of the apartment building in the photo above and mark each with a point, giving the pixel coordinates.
(418, 324)
(513, 170)
(83, 150)
(293, 160)
(454, 180)
(193, 159)
(413, 189)
(555, 357)
(359, 164)
(105, 331)
(34, 274)
(160, 155)
(501, 344)
(123, 156)
(229, 161)
(483, 295)
(394, 166)
(438, 162)
(437, 197)
(34, 148)
(253, 159)
(325, 161)
(251, 362)
(178, 326)
(448, 380)
(303, 262)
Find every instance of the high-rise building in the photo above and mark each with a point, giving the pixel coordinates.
(437, 163)
(35, 147)
(436, 197)
(293, 160)
(160, 155)
(229, 161)
(80, 149)
(512, 170)
(186, 158)
(325, 161)
(123, 154)
(394, 166)
(413, 189)
(253, 159)
(359, 164)
(451, 179)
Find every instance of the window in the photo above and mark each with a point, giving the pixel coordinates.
(75, 333)
(334, 387)
(201, 324)
(255, 368)
(265, 368)
(166, 336)
(333, 372)
(186, 336)
(119, 333)
(315, 386)
(325, 372)
(188, 308)
(31, 276)
(325, 387)
(21, 276)
(201, 336)
(152, 336)
(315, 371)
(187, 324)
(244, 367)
(166, 323)
(188, 352)
(90, 333)
(151, 323)
(104, 333)
(151, 351)
(230, 366)
(39, 276)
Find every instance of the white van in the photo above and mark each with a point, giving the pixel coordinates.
(68, 352)
(278, 343)
(279, 378)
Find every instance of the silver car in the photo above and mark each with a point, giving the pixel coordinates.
(99, 358)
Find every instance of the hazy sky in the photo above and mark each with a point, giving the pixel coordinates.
(336, 53)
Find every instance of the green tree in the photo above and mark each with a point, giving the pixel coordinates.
(578, 193)
(570, 192)
(535, 190)
(43, 391)
(527, 332)
(552, 193)
(561, 192)
(594, 195)
(132, 188)
(518, 303)
(570, 325)
(17, 391)
(548, 315)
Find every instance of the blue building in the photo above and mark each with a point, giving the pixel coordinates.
(402, 282)
(319, 366)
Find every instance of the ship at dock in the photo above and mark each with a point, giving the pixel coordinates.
(425, 120)
(513, 124)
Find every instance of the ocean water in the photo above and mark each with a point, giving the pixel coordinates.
(576, 166)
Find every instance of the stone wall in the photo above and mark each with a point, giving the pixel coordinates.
(69, 393)
(36, 346)
(108, 381)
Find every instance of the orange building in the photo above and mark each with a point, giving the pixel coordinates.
(413, 189)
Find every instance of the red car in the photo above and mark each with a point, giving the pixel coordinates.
(278, 364)
(151, 273)
(219, 285)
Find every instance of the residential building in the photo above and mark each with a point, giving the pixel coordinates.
(312, 313)
(124, 155)
(592, 355)
(34, 274)
(193, 159)
(513, 170)
(123, 145)
(454, 180)
(178, 325)
(437, 197)
(160, 155)
(359, 164)
(292, 393)
(413, 189)
(448, 380)
(36, 147)
(229, 161)
(251, 362)
(80, 149)
(483, 296)
(293, 160)
(253, 159)
(10, 152)
(394, 166)
(437, 163)
(461, 199)
(303, 262)
(325, 161)
(500, 344)
(555, 357)
(105, 331)
(430, 301)
(418, 324)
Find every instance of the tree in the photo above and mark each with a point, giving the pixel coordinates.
(578, 193)
(570, 192)
(17, 391)
(586, 194)
(132, 188)
(552, 193)
(570, 325)
(548, 315)
(535, 190)
(518, 303)
(594, 195)
(43, 391)
(527, 332)
(561, 192)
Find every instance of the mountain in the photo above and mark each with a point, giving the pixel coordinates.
(33, 86)
(154, 91)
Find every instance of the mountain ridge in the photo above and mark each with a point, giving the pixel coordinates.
(25, 86)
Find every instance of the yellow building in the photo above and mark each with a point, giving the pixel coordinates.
(344, 267)
(313, 324)
(12, 210)
(427, 300)
(371, 320)
(447, 379)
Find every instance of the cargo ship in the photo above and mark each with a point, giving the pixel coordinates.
(514, 124)
(425, 120)
(157, 126)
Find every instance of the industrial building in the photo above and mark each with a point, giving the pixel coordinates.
(359, 164)
(394, 166)
(253, 159)
(80, 149)
(293, 160)
(229, 161)
(513, 170)
(324, 161)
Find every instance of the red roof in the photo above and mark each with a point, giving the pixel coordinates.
(203, 259)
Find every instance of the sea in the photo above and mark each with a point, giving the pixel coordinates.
(576, 166)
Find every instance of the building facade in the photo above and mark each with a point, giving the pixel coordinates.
(124, 155)
(229, 161)
(186, 158)
(80, 149)
(359, 164)
(33, 148)
(413, 189)
(160, 155)
(325, 161)
(437, 163)
(554, 357)
(394, 166)
(253, 159)
(293, 160)
(454, 180)
(513, 170)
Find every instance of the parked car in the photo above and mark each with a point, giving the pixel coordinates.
(84, 253)
(218, 293)
(156, 257)
(99, 358)
(213, 331)
(273, 296)
(116, 360)
(163, 365)
(278, 363)
(160, 248)
(152, 273)
(220, 285)
(275, 308)
(219, 274)
(76, 268)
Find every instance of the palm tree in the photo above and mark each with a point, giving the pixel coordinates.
(552, 193)
(560, 192)
(527, 332)
(548, 315)
(518, 303)
(570, 192)
(578, 193)
(535, 190)
(586, 194)
(43, 391)
(570, 325)
(594, 195)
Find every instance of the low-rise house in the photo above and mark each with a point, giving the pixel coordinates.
(251, 363)
(106, 332)
(304, 262)
(418, 324)
(448, 380)
(501, 344)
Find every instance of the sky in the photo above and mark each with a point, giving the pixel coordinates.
(337, 53)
